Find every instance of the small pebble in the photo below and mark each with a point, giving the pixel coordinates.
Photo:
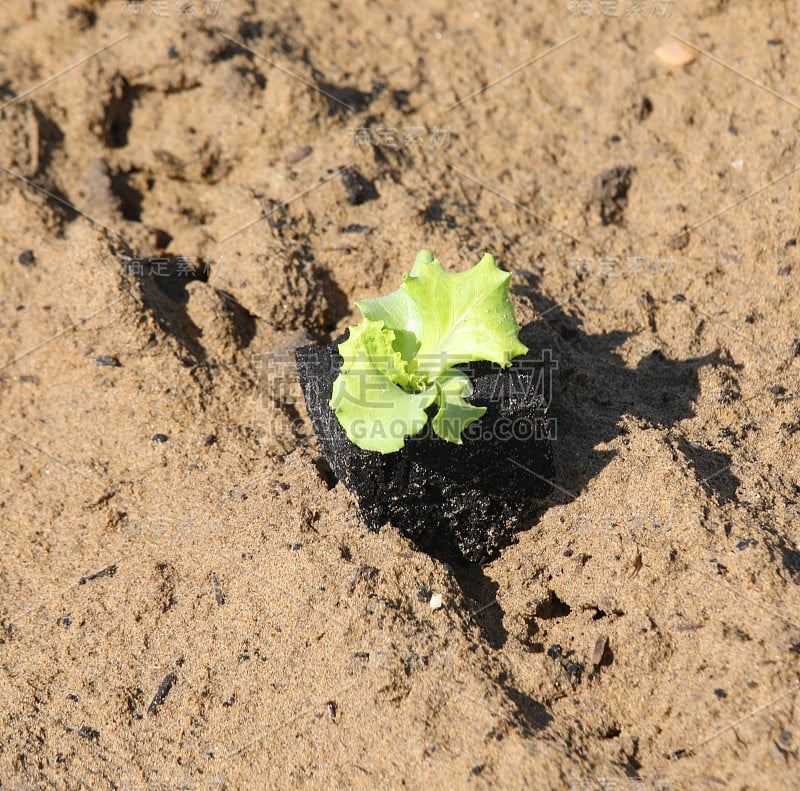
(673, 53)
(436, 601)
(355, 228)
(160, 437)
(297, 156)
(26, 257)
(680, 240)
(599, 650)
(107, 359)
(573, 669)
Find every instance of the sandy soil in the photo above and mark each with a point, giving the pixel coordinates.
(184, 589)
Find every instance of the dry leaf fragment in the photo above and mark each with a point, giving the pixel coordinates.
(637, 565)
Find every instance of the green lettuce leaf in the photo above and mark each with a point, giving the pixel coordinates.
(454, 414)
(400, 312)
(370, 403)
(398, 360)
(464, 317)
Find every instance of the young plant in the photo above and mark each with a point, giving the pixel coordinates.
(400, 359)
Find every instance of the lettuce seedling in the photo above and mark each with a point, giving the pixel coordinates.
(400, 359)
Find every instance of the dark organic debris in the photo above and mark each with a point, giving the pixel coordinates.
(554, 652)
(332, 709)
(644, 109)
(163, 690)
(637, 566)
(355, 228)
(574, 670)
(218, 593)
(108, 571)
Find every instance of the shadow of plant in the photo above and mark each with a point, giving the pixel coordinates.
(592, 390)
(588, 394)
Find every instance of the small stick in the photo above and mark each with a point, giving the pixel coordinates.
(218, 594)
(163, 690)
(108, 571)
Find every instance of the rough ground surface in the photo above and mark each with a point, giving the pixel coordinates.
(177, 610)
